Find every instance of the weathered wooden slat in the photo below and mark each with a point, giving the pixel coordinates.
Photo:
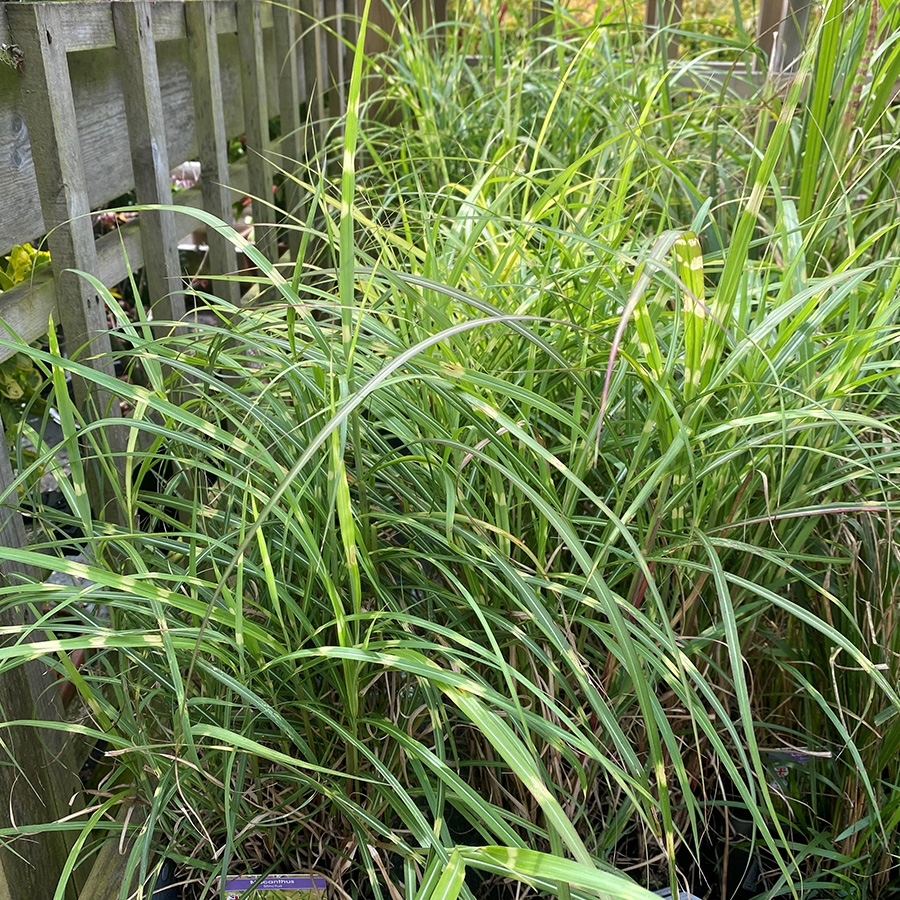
(334, 45)
(25, 310)
(50, 114)
(267, 13)
(663, 15)
(309, 59)
(212, 144)
(66, 197)
(168, 21)
(37, 793)
(87, 28)
(37, 771)
(780, 32)
(256, 124)
(108, 872)
(146, 128)
(91, 27)
(353, 13)
(321, 71)
(291, 95)
(12, 529)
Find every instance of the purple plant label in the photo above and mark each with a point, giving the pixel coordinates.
(311, 886)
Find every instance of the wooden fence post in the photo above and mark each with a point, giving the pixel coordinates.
(321, 72)
(662, 16)
(335, 48)
(209, 113)
(37, 770)
(149, 154)
(781, 32)
(256, 127)
(384, 16)
(292, 147)
(35, 783)
(311, 57)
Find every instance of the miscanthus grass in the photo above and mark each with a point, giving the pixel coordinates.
(535, 534)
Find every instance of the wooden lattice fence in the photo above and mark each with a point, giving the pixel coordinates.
(98, 99)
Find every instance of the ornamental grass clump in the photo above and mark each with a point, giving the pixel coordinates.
(535, 534)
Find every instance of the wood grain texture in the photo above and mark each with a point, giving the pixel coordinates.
(150, 159)
(38, 774)
(36, 794)
(256, 126)
(212, 145)
(12, 528)
(334, 49)
(309, 55)
(92, 27)
(25, 310)
(291, 100)
(50, 113)
(108, 871)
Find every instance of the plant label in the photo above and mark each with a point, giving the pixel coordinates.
(274, 887)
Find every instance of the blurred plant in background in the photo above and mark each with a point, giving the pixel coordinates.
(20, 380)
(20, 264)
